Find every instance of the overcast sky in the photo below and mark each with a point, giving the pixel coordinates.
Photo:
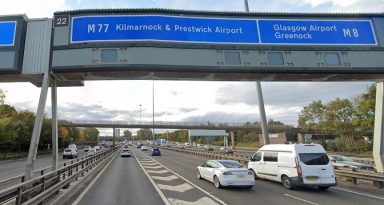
(182, 100)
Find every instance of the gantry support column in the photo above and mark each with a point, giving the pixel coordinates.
(232, 139)
(37, 128)
(378, 137)
(113, 136)
(55, 132)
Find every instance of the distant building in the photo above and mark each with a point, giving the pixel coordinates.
(279, 138)
(117, 132)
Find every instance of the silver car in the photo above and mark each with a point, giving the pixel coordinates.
(226, 173)
(343, 161)
(69, 153)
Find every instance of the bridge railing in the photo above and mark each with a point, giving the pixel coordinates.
(189, 123)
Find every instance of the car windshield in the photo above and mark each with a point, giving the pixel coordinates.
(156, 150)
(230, 164)
(67, 150)
(314, 158)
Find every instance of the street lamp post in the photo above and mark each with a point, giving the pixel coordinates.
(263, 118)
(153, 111)
(140, 123)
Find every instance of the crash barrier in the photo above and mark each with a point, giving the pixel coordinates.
(41, 188)
(21, 178)
(353, 174)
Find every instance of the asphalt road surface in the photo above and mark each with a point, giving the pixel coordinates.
(149, 180)
(16, 167)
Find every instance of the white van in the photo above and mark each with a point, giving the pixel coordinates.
(294, 165)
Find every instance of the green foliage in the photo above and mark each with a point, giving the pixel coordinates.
(127, 134)
(90, 133)
(145, 134)
(2, 97)
(346, 120)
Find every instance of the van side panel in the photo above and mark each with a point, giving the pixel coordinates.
(286, 165)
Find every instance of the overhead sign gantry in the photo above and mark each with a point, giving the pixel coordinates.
(12, 39)
(195, 45)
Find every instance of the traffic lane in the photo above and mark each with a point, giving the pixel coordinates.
(12, 168)
(186, 165)
(122, 182)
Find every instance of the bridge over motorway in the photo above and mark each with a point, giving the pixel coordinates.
(175, 125)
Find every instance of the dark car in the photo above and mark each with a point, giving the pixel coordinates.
(139, 145)
(155, 152)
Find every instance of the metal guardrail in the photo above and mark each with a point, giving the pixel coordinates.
(42, 187)
(21, 178)
(354, 174)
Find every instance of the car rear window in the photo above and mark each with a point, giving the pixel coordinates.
(231, 164)
(314, 158)
(67, 150)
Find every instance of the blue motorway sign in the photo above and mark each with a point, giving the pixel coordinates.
(222, 30)
(317, 32)
(7, 33)
(163, 28)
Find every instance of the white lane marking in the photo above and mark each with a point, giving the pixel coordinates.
(78, 199)
(300, 199)
(152, 167)
(179, 188)
(197, 187)
(157, 172)
(201, 201)
(362, 194)
(169, 178)
(162, 196)
(145, 164)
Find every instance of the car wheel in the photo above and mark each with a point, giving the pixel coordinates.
(255, 175)
(287, 183)
(216, 181)
(198, 174)
(63, 157)
(323, 187)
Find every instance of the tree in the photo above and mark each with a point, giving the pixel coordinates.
(145, 134)
(7, 111)
(127, 134)
(90, 134)
(365, 109)
(312, 118)
(340, 116)
(2, 96)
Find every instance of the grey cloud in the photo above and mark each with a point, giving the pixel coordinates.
(187, 109)
(91, 112)
(289, 94)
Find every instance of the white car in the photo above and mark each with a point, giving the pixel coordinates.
(97, 147)
(69, 153)
(91, 152)
(226, 173)
(87, 148)
(125, 152)
(144, 148)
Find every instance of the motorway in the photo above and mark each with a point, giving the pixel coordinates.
(16, 167)
(171, 178)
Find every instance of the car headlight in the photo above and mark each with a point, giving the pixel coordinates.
(250, 173)
(227, 173)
